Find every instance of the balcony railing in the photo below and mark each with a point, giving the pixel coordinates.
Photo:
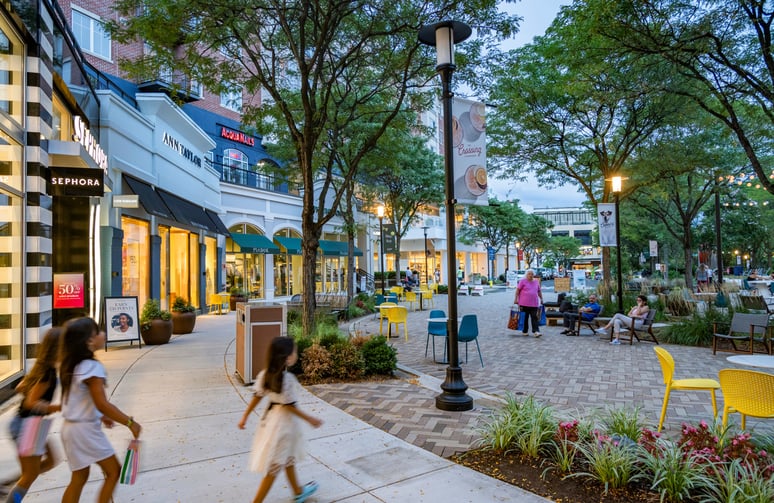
(255, 180)
(169, 82)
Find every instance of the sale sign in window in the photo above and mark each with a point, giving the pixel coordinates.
(68, 291)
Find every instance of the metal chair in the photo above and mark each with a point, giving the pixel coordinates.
(668, 370)
(395, 316)
(744, 327)
(436, 329)
(747, 392)
(468, 332)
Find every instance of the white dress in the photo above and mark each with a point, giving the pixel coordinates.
(278, 440)
(82, 437)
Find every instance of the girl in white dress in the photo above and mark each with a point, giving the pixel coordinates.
(278, 442)
(85, 408)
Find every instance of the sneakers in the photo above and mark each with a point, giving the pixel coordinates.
(525, 334)
(572, 333)
(537, 335)
(615, 342)
(565, 332)
(601, 331)
(306, 491)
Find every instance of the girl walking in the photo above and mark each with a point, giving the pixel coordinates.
(37, 388)
(85, 408)
(278, 442)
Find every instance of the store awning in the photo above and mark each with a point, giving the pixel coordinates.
(337, 248)
(291, 246)
(222, 229)
(149, 198)
(187, 212)
(254, 243)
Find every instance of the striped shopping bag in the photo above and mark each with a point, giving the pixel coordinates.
(131, 463)
(32, 436)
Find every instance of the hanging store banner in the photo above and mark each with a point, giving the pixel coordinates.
(390, 240)
(68, 291)
(469, 146)
(607, 224)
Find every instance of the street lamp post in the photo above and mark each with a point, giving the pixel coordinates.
(443, 36)
(617, 182)
(380, 215)
(518, 255)
(427, 278)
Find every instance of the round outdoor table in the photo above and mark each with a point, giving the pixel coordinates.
(761, 361)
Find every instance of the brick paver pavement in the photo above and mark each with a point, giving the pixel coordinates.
(573, 374)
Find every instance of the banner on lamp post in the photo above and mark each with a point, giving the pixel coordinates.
(469, 144)
(607, 224)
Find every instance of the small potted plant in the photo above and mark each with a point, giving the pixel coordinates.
(237, 295)
(155, 323)
(183, 316)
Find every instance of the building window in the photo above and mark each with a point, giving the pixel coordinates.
(11, 71)
(91, 34)
(235, 166)
(232, 99)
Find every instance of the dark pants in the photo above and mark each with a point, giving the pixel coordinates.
(531, 316)
(571, 320)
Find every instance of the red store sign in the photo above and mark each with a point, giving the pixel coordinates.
(237, 136)
(68, 291)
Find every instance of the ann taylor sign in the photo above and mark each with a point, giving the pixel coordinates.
(181, 149)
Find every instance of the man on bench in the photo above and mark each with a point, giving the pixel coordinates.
(586, 313)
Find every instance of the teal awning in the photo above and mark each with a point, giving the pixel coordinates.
(254, 243)
(337, 248)
(291, 246)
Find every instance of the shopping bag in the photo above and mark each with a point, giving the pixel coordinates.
(513, 319)
(33, 434)
(131, 464)
(542, 316)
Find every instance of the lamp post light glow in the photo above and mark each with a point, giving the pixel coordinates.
(443, 36)
(518, 255)
(380, 216)
(617, 185)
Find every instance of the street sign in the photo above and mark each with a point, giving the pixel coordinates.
(490, 253)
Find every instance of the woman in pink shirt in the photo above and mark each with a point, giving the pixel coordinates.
(529, 298)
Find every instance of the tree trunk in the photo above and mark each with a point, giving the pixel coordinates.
(688, 256)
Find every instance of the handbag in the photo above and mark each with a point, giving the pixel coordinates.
(513, 319)
(32, 436)
(542, 321)
(131, 464)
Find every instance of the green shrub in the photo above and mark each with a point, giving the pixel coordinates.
(524, 425)
(347, 362)
(696, 330)
(673, 474)
(380, 357)
(302, 344)
(610, 461)
(151, 310)
(294, 317)
(443, 289)
(624, 421)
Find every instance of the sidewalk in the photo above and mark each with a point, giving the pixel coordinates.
(188, 399)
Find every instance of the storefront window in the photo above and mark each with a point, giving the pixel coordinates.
(164, 266)
(210, 267)
(288, 269)
(135, 259)
(10, 162)
(245, 271)
(61, 122)
(179, 265)
(11, 72)
(11, 290)
(193, 261)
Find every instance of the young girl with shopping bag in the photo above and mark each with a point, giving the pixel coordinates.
(29, 427)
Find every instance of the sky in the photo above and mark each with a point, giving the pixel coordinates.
(538, 15)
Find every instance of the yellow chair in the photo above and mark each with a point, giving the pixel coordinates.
(747, 392)
(427, 295)
(398, 315)
(397, 290)
(411, 299)
(217, 301)
(384, 309)
(668, 370)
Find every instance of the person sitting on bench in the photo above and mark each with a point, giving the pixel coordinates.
(588, 312)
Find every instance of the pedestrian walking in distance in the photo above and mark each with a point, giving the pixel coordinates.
(85, 408)
(278, 442)
(37, 389)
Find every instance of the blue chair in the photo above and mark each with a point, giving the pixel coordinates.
(468, 333)
(436, 329)
(378, 299)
